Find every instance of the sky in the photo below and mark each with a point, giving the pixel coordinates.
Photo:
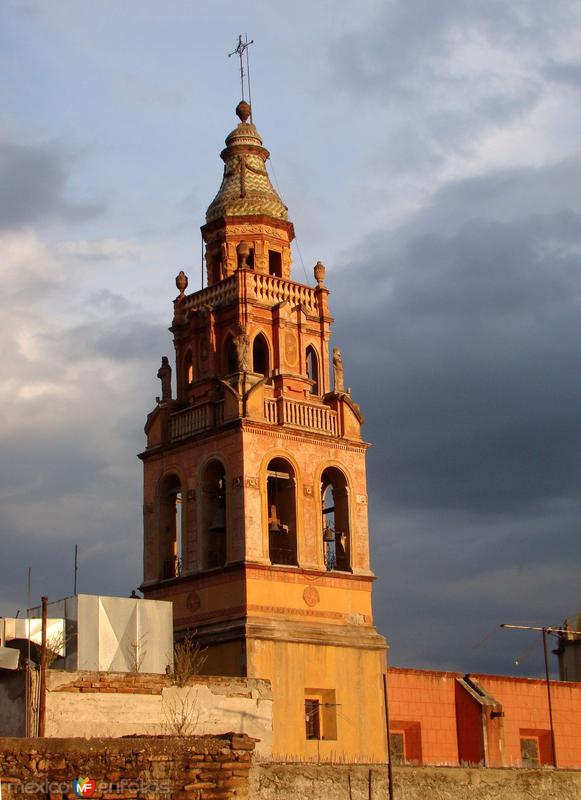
(429, 156)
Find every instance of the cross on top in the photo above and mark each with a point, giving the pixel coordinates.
(240, 51)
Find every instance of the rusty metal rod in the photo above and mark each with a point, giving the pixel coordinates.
(42, 700)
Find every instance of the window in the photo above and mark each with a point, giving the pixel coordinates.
(312, 719)
(320, 714)
(275, 263)
(230, 364)
(397, 748)
(313, 369)
(405, 741)
(188, 368)
(281, 501)
(171, 526)
(214, 516)
(529, 752)
(260, 355)
(536, 749)
(335, 522)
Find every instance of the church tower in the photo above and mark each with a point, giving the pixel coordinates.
(255, 500)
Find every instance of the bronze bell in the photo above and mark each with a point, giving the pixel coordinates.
(328, 535)
(219, 522)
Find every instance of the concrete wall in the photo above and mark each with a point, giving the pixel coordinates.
(12, 689)
(89, 704)
(349, 782)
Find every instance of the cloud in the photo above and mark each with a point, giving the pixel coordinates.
(463, 346)
(33, 183)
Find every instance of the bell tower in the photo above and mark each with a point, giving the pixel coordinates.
(255, 501)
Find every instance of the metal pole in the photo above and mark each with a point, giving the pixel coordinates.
(549, 697)
(389, 765)
(27, 726)
(76, 568)
(42, 701)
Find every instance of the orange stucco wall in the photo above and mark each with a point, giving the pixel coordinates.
(430, 699)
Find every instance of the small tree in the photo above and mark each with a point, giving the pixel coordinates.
(189, 659)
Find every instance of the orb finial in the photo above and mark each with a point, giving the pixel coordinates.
(243, 110)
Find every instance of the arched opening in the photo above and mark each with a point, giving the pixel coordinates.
(171, 526)
(214, 516)
(335, 522)
(281, 500)
(230, 360)
(188, 368)
(260, 355)
(313, 369)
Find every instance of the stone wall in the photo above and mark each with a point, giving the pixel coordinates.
(353, 782)
(195, 768)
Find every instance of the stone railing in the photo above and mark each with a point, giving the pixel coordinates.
(195, 419)
(271, 290)
(308, 416)
(217, 295)
(266, 289)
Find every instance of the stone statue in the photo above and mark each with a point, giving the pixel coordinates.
(338, 371)
(164, 374)
(242, 345)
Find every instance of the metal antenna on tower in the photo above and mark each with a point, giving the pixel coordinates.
(242, 50)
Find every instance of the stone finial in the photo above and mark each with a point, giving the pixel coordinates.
(319, 271)
(182, 282)
(243, 110)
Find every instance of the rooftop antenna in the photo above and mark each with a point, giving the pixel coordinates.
(242, 51)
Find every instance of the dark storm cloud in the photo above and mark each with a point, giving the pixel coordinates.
(465, 355)
(33, 182)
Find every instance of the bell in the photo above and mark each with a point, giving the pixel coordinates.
(219, 522)
(274, 524)
(328, 535)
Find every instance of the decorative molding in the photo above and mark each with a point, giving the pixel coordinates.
(311, 596)
(245, 482)
(193, 601)
(361, 499)
(308, 490)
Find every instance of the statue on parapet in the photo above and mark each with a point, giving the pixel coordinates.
(164, 374)
(338, 377)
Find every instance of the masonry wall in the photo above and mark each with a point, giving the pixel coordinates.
(423, 705)
(341, 782)
(426, 699)
(197, 768)
(526, 713)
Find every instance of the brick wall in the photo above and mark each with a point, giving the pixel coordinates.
(432, 707)
(156, 768)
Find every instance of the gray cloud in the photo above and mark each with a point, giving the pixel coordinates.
(464, 350)
(33, 182)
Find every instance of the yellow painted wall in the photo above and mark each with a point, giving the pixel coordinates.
(355, 675)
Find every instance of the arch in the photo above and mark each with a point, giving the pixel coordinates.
(188, 371)
(281, 496)
(229, 356)
(260, 355)
(171, 525)
(213, 515)
(335, 523)
(312, 360)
